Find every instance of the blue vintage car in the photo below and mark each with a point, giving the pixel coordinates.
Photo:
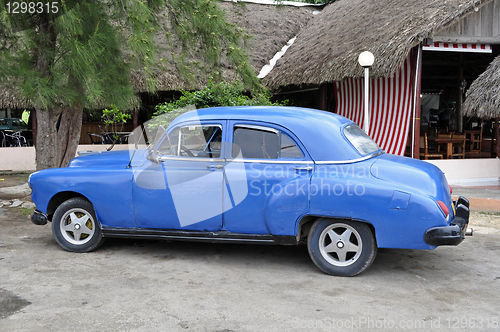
(270, 175)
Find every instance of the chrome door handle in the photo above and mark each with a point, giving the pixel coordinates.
(308, 168)
(215, 166)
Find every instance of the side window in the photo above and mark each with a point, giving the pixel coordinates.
(255, 143)
(362, 142)
(195, 141)
(262, 143)
(288, 149)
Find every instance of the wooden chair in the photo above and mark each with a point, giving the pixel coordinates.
(424, 149)
(459, 148)
(473, 142)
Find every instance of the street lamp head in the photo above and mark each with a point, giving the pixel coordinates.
(366, 59)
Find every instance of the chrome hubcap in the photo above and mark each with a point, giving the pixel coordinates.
(340, 244)
(77, 226)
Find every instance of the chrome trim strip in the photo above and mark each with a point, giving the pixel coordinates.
(201, 125)
(256, 127)
(270, 161)
(337, 162)
(192, 159)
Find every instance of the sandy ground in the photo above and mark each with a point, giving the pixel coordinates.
(181, 286)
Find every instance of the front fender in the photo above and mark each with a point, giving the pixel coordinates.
(108, 189)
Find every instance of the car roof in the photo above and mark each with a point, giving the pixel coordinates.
(319, 131)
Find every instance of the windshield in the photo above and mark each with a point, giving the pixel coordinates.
(362, 142)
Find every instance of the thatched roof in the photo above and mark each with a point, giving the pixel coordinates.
(271, 27)
(327, 49)
(10, 98)
(483, 96)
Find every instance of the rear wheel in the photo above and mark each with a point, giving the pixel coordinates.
(341, 247)
(75, 226)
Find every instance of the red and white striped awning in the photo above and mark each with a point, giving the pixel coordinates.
(390, 106)
(450, 47)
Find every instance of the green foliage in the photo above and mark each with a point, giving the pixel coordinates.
(211, 95)
(114, 116)
(115, 119)
(83, 56)
(73, 59)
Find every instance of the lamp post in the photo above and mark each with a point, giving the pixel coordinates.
(366, 59)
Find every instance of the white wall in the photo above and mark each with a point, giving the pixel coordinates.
(17, 159)
(22, 159)
(467, 171)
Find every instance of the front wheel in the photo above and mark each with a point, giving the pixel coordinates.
(75, 226)
(341, 247)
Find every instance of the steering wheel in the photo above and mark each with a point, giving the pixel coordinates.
(183, 148)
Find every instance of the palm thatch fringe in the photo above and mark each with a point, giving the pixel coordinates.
(327, 49)
(483, 96)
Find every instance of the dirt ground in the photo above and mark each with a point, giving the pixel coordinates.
(130, 285)
(12, 179)
(180, 286)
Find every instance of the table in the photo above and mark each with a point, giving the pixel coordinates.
(122, 137)
(449, 143)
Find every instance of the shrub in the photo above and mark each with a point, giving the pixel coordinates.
(211, 95)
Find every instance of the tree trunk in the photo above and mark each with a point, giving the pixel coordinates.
(68, 135)
(46, 138)
(46, 119)
(57, 137)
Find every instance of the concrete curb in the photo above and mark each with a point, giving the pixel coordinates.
(15, 191)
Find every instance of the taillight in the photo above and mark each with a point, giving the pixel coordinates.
(451, 190)
(444, 208)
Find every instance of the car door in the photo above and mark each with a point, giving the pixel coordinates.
(267, 180)
(184, 190)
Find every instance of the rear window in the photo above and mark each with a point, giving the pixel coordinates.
(362, 142)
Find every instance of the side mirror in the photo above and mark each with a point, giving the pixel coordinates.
(153, 156)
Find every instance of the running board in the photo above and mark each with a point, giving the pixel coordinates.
(213, 237)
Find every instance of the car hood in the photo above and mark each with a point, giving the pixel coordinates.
(415, 174)
(103, 159)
